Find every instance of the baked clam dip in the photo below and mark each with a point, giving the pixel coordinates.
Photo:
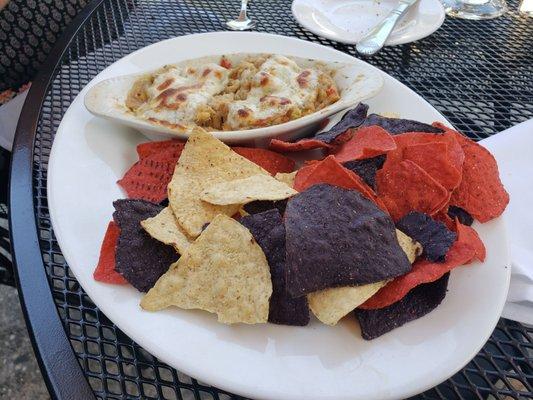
(232, 93)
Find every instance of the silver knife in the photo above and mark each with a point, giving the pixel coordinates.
(374, 40)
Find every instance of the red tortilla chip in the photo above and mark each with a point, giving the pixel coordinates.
(329, 170)
(481, 192)
(443, 217)
(300, 145)
(463, 251)
(304, 173)
(271, 161)
(105, 269)
(434, 159)
(148, 178)
(366, 142)
(469, 236)
(148, 148)
(454, 151)
(404, 187)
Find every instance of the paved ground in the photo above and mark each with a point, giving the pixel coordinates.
(19, 374)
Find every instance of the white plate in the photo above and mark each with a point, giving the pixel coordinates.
(263, 361)
(348, 20)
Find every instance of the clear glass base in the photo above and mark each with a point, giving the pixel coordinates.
(475, 9)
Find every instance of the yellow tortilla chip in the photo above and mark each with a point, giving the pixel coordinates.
(410, 247)
(286, 177)
(224, 272)
(330, 305)
(246, 190)
(204, 162)
(165, 228)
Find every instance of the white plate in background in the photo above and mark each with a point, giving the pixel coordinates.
(263, 361)
(347, 21)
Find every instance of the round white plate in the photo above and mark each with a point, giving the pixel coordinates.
(263, 361)
(348, 20)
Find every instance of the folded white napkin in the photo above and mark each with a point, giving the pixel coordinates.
(513, 149)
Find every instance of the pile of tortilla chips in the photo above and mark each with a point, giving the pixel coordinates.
(370, 229)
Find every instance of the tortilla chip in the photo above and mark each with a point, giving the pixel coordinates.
(302, 174)
(410, 246)
(350, 120)
(286, 178)
(300, 145)
(139, 258)
(366, 142)
(454, 153)
(433, 235)
(330, 305)
(105, 269)
(329, 170)
(397, 125)
(481, 192)
(366, 168)
(256, 207)
(433, 158)
(418, 302)
(148, 148)
(406, 187)
(463, 216)
(336, 237)
(246, 190)
(269, 160)
(224, 272)
(148, 178)
(165, 228)
(462, 252)
(268, 230)
(339, 133)
(468, 235)
(205, 161)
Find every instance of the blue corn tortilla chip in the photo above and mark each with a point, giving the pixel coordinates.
(462, 215)
(352, 119)
(418, 302)
(336, 237)
(139, 258)
(367, 168)
(268, 230)
(396, 126)
(434, 236)
(259, 206)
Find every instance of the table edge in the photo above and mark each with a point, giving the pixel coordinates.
(57, 360)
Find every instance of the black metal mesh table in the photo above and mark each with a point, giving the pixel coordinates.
(478, 74)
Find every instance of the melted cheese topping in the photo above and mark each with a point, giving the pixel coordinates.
(259, 91)
(278, 88)
(177, 93)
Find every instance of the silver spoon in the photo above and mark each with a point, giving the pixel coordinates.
(375, 39)
(242, 23)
